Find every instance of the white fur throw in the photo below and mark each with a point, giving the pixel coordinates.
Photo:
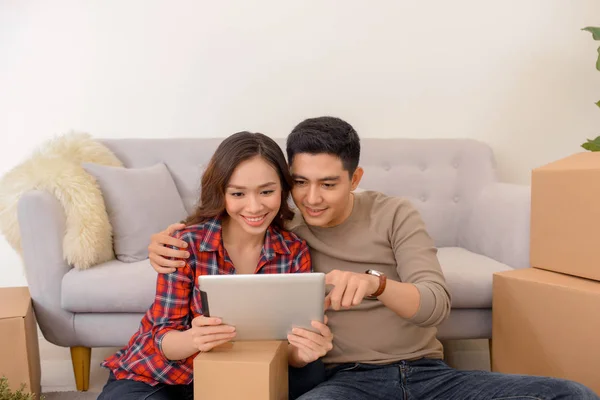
(55, 167)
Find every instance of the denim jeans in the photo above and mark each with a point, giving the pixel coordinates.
(127, 389)
(428, 379)
(300, 380)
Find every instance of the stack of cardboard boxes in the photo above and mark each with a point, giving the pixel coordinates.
(546, 319)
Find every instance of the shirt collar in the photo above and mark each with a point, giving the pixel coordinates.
(212, 238)
(274, 241)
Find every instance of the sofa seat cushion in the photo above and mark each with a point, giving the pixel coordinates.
(112, 287)
(469, 276)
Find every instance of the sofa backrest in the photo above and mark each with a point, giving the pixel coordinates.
(442, 177)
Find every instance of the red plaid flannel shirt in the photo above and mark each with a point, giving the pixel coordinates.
(177, 299)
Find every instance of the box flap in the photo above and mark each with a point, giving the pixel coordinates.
(14, 302)
(567, 282)
(577, 161)
(244, 352)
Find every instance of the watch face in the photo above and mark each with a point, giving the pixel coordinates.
(374, 272)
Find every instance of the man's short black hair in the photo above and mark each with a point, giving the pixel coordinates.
(325, 135)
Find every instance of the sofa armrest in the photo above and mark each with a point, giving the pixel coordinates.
(42, 227)
(497, 226)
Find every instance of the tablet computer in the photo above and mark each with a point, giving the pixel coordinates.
(264, 306)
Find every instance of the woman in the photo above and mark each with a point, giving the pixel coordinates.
(237, 228)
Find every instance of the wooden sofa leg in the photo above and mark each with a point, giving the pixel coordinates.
(81, 358)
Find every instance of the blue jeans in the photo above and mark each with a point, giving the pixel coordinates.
(127, 389)
(428, 379)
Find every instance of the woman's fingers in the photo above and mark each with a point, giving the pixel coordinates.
(209, 346)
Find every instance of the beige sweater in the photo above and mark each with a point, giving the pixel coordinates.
(387, 234)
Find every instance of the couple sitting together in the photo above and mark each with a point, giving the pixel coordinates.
(389, 293)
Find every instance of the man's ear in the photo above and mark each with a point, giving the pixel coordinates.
(356, 177)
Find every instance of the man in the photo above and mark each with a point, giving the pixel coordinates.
(389, 293)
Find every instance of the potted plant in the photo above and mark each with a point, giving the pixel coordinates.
(594, 145)
(7, 394)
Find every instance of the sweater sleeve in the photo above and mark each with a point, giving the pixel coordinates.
(417, 263)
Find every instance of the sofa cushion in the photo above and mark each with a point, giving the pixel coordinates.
(116, 286)
(112, 287)
(469, 276)
(140, 202)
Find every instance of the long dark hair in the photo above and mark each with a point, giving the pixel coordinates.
(231, 152)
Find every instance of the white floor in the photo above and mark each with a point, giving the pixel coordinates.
(57, 371)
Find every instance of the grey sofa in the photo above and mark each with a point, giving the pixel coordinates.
(480, 226)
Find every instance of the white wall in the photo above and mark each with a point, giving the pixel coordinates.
(516, 74)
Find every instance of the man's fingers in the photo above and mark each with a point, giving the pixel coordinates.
(165, 262)
(351, 289)
(162, 241)
(160, 250)
(312, 336)
(320, 342)
(162, 270)
(360, 293)
(324, 329)
(174, 227)
(331, 277)
(299, 341)
(335, 297)
(337, 292)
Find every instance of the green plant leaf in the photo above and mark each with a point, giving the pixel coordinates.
(598, 60)
(20, 394)
(592, 145)
(595, 31)
(597, 103)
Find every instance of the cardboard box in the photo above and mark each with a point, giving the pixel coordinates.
(546, 323)
(19, 348)
(242, 370)
(565, 217)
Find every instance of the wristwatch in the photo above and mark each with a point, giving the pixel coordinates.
(382, 282)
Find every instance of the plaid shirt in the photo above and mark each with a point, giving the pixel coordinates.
(177, 299)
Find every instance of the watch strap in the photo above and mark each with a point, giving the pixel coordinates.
(382, 283)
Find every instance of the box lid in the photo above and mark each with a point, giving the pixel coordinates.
(14, 302)
(242, 352)
(578, 161)
(563, 281)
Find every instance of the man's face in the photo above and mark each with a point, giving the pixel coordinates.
(322, 188)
